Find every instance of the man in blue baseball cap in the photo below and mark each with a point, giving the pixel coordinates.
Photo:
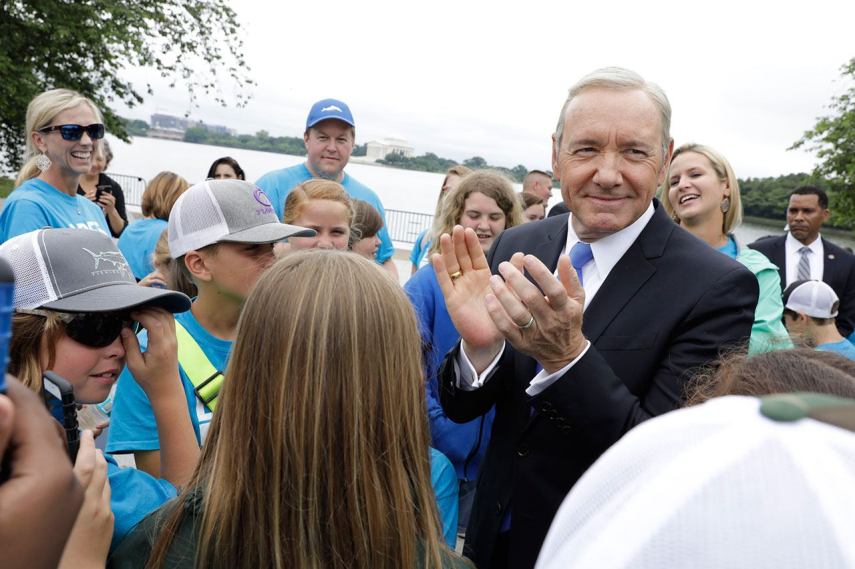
(329, 138)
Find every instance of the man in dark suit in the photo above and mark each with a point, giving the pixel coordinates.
(803, 254)
(657, 304)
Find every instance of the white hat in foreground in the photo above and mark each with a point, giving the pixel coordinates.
(715, 486)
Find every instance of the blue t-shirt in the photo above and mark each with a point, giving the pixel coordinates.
(132, 423)
(444, 482)
(35, 204)
(730, 249)
(843, 347)
(420, 249)
(279, 183)
(137, 244)
(134, 494)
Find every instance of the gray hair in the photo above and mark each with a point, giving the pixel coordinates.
(108, 152)
(618, 78)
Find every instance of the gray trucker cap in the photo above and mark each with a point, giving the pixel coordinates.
(79, 270)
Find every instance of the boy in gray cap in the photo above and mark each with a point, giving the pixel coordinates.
(221, 234)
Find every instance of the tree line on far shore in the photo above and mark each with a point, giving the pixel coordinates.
(761, 197)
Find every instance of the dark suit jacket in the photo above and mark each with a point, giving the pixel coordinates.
(838, 272)
(558, 209)
(668, 306)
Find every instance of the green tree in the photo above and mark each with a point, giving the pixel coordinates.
(833, 140)
(86, 45)
(476, 163)
(519, 171)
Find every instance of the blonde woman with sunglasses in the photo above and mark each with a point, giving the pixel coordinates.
(64, 129)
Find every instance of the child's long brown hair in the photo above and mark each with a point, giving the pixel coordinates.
(318, 453)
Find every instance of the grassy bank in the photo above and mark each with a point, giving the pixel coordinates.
(6, 185)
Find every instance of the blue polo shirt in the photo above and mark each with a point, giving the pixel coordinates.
(279, 183)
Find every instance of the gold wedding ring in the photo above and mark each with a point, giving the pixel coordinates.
(456, 275)
(527, 326)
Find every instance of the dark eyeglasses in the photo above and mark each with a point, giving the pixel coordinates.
(93, 329)
(75, 131)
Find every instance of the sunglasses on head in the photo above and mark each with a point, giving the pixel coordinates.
(75, 131)
(93, 329)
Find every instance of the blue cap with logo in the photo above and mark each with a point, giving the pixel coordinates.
(329, 109)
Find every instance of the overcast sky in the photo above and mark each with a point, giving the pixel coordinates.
(488, 78)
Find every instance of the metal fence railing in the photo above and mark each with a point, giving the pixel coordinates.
(132, 186)
(405, 226)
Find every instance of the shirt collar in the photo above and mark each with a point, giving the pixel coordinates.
(608, 250)
(793, 244)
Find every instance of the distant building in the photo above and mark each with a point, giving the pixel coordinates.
(380, 149)
(173, 128)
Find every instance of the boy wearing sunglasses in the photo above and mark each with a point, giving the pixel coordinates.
(76, 305)
(60, 149)
(221, 234)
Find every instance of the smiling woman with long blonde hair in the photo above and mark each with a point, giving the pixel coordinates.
(318, 454)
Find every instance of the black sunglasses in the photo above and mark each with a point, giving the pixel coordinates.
(75, 131)
(93, 329)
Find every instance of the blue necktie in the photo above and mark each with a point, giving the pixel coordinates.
(580, 254)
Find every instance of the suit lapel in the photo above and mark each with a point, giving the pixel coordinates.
(779, 258)
(623, 282)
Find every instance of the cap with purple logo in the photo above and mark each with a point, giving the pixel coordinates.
(216, 211)
(329, 109)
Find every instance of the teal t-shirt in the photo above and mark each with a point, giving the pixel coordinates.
(843, 347)
(137, 244)
(443, 478)
(132, 423)
(279, 183)
(35, 204)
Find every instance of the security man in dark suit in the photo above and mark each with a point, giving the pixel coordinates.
(803, 254)
(621, 307)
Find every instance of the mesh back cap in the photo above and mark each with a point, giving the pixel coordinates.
(78, 270)
(814, 298)
(216, 211)
(713, 486)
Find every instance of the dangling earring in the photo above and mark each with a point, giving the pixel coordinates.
(43, 162)
(725, 205)
(676, 218)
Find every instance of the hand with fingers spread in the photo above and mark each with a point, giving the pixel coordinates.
(464, 278)
(89, 541)
(547, 328)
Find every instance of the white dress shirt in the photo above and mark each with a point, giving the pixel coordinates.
(817, 261)
(607, 252)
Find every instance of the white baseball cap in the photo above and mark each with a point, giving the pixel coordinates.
(814, 298)
(734, 482)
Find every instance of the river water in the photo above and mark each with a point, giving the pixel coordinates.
(405, 190)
